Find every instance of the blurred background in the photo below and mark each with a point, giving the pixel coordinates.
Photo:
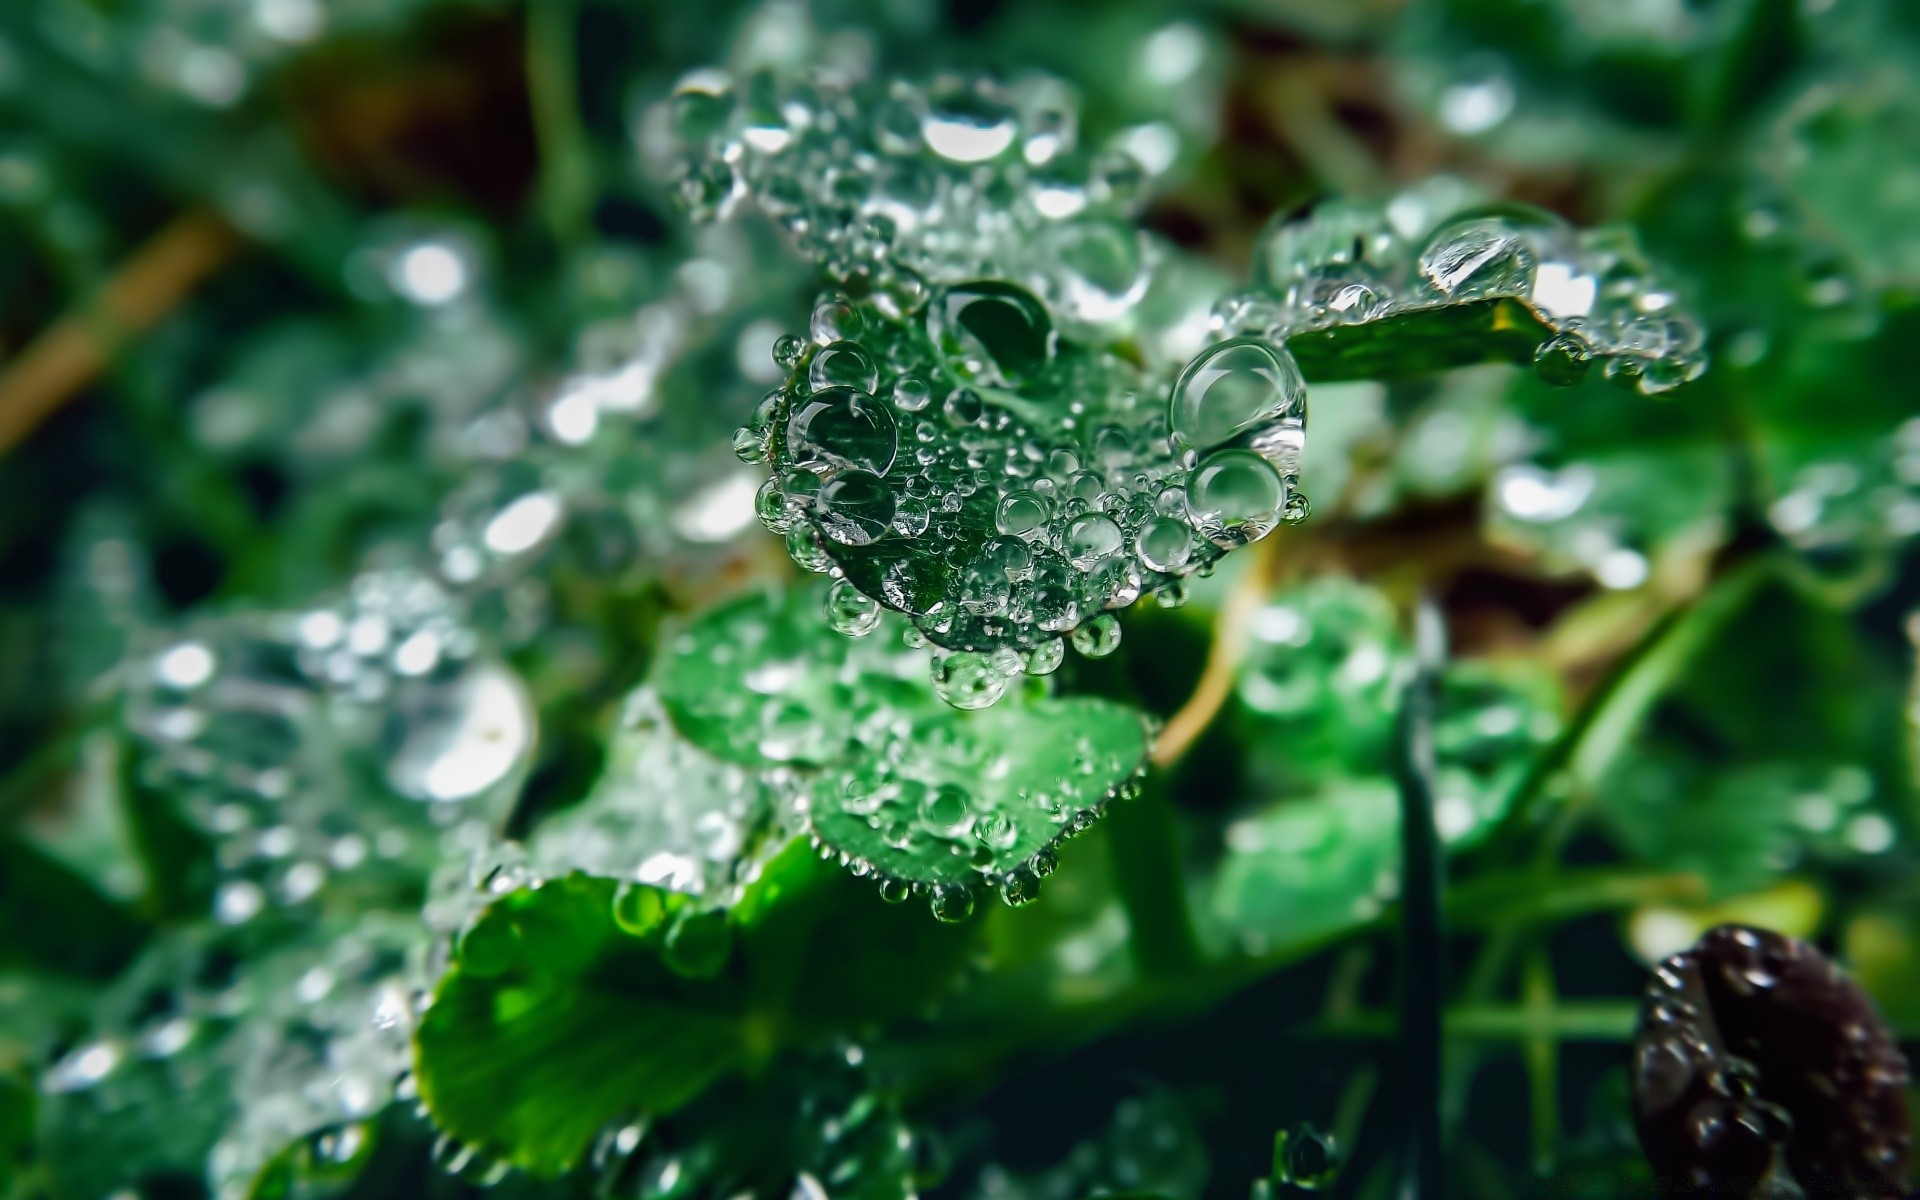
(381, 324)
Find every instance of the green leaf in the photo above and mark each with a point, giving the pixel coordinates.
(1428, 280)
(530, 1048)
(1002, 484)
(812, 1122)
(55, 920)
(1317, 696)
(761, 682)
(256, 723)
(664, 813)
(1742, 827)
(899, 785)
(562, 1013)
(217, 1050)
(959, 796)
(1560, 81)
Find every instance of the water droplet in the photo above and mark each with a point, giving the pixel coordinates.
(1563, 360)
(951, 903)
(1235, 497)
(996, 830)
(1164, 544)
(1233, 388)
(1098, 637)
(991, 332)
(842, 427)
(842, 365)
(1091, 539)
(968, 680)
(1019, 887)
(808, 551)
(748, 446)
(964, 124)
(851, 612)
(1476, 258)
(638, 909)
(911, 393)
(1045, 658)
(1099, 270)
(946, 810)
(856, 508)
(1022, 513)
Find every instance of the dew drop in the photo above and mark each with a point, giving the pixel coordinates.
(1019, 887)
(1235, 497)
(1098, 637)
(996, 830)
(951, 903)
(967, 680)
(1164, 544)
(1233, 388)
(965, 125)
(991, 332)
(842, 365)
(1091, 539)
(842, 427)
(856, 508)
(850, 611)
(1476, 258)
(1045, 658)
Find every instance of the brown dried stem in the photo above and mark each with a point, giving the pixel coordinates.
(68, 354)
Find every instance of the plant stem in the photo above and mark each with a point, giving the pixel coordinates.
(1230, 633)
(566, 167)
(1585, 1021)
(69, 353)
(1541, 1048)
(1143, 841)
(1422, 873)
(1618, 708)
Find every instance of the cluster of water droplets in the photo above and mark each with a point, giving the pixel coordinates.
(1005, 486)
(847, 740)
(301, 1047)
(331, 746)
(1425, 273)
(664, 814)
(912, 185)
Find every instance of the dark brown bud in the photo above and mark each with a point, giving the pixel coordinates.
(1759, 1066)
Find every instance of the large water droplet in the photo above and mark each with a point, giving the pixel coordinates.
(991, 332)
(842, 365)
(842, 427)
(965, 125)
(967, 680)
(1235, 497)
(1476, 258)
(1164, 544)
(856, 508)
(1098, 270)
(1233, 388)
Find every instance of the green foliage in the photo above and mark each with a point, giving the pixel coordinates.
(419, 773)
(544, 975)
